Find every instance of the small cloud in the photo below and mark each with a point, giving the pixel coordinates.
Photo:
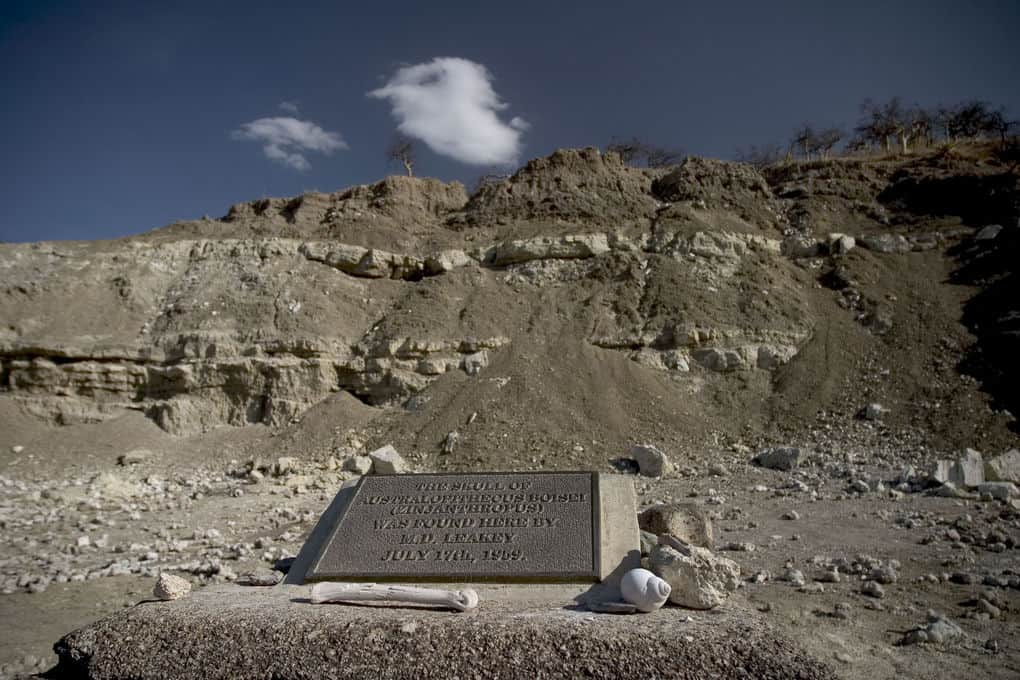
(289, 107)
(284, 139)
(450, 105)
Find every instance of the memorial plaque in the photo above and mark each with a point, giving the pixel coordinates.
(468, 527)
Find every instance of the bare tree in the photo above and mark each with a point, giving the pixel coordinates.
(880, 123)
(658, 157)
(629, 150)
(804, 138)
(402, 150)
(826, 139)
(760, 156)
(634, 150)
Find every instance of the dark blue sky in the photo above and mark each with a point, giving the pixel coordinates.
(117, 116)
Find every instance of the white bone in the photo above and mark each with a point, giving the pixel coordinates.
(460, 600)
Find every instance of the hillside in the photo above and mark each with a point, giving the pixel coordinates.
(579, 299)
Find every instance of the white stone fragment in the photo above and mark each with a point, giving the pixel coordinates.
(386, 461)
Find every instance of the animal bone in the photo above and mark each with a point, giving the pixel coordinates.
(460, 600)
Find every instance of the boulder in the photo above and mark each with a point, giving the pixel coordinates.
(361, 465)
(885, 243)
(170, 587)
(840, 244)
(779, 458)
(1004, 468)
(966, 471)
(386, 461)
(687, 521)
(651, 461)
(698, 579)
(1002, 491)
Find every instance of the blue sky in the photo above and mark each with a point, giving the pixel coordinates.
(119, 117)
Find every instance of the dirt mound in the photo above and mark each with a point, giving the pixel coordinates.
(396, 211)
(570, 187)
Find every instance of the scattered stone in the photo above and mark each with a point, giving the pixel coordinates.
(829, 576)
(359, 465)
(811, 588)
(718, 470)
(134, 457)
(884, 574)
(170, 587)
(885, 243)
(840, 244)
(964, 578)
(450, 442)
(873, 411)
(386, 461)
(651, 461)
(473, 364)
(686, 521)
(1002, 491)
(938, 629)
(285, 465)
(986, 607)
(648, 542)
(794, 576)
(698, 579)
(779, 458)
(873, 589)
(859, 486)
(948, 490)
(791, 515)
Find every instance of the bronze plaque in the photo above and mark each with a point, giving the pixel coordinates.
(465, 527)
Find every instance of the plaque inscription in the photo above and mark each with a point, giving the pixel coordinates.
(494, 526)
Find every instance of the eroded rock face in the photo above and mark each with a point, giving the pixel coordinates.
(382, 290)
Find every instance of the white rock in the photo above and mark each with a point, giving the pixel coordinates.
(472, 364)
(386, 461)
(840, 244)
(1004, 468)
(688, 522)
(966, 471)
(17, 448)
(170, 587)
(697, 578)
(651, 461)
(644, 590)
(285, 465)
(361, 465)
(874, 411)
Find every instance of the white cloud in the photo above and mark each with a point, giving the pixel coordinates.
(450, 105)
(284, 139)
(289, 107)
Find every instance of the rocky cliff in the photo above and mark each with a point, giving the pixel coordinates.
(577, 294)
